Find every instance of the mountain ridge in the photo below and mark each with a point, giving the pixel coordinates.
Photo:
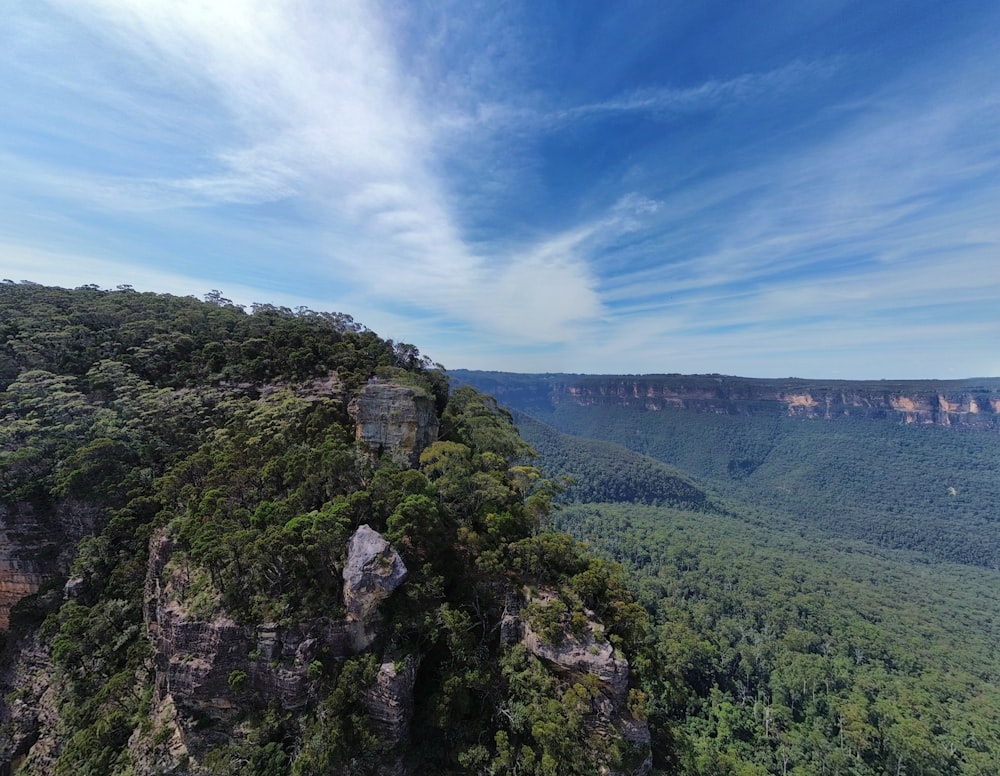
(969, 403)
(275, 543)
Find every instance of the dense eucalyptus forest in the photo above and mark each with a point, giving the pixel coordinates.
(185, 486)
(827, 591)
(209, 571)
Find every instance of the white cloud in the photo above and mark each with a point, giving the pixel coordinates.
(318, 109)
(665, 102)
(246, 105)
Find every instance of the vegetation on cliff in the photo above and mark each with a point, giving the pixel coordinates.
(224, 440)
(187, 478)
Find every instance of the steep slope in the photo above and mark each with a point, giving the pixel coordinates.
(596, 471)
(276, 543)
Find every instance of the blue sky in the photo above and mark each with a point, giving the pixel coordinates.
(754, 188)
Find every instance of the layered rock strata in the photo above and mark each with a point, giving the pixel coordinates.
(395, 419)
(961, 404)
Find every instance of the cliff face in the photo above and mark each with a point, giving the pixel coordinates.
(978, 410)
(964, 404)
(20, 574)
(395, 419)
(31, 713)
(36, 547)
(389, 417)
(210, 669)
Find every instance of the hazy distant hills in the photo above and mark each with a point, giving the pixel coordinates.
(971, 403)
(908, 465)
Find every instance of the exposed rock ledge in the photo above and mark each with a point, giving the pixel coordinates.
(588, 652)
(584, 656)
(210, 668)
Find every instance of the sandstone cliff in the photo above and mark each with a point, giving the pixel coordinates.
(210, 669)
(963, 404)
(36, 547)
(31, 710)
(395, 419)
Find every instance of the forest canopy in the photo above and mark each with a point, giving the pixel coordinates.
(175, 466)
(785, 597)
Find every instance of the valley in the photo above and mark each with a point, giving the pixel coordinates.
(826, 586)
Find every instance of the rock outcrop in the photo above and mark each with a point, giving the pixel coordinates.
(584, 655)
(373, 570)
(389, 703)
(210, 668)
(34, 548)
(395, 419)
(585, 651)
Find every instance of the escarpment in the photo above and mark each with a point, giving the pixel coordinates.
(959, 404)
(902, 464)
(36, 545)
(211, 671)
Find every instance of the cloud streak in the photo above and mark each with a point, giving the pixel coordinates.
(880, 214)
(340, 130)
(316, 108)
(663, 103)
(452, 171)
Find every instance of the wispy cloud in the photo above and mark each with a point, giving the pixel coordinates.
(530, 114)
(316, 108)
(665, 102)
(883, 211)
(419, 168)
